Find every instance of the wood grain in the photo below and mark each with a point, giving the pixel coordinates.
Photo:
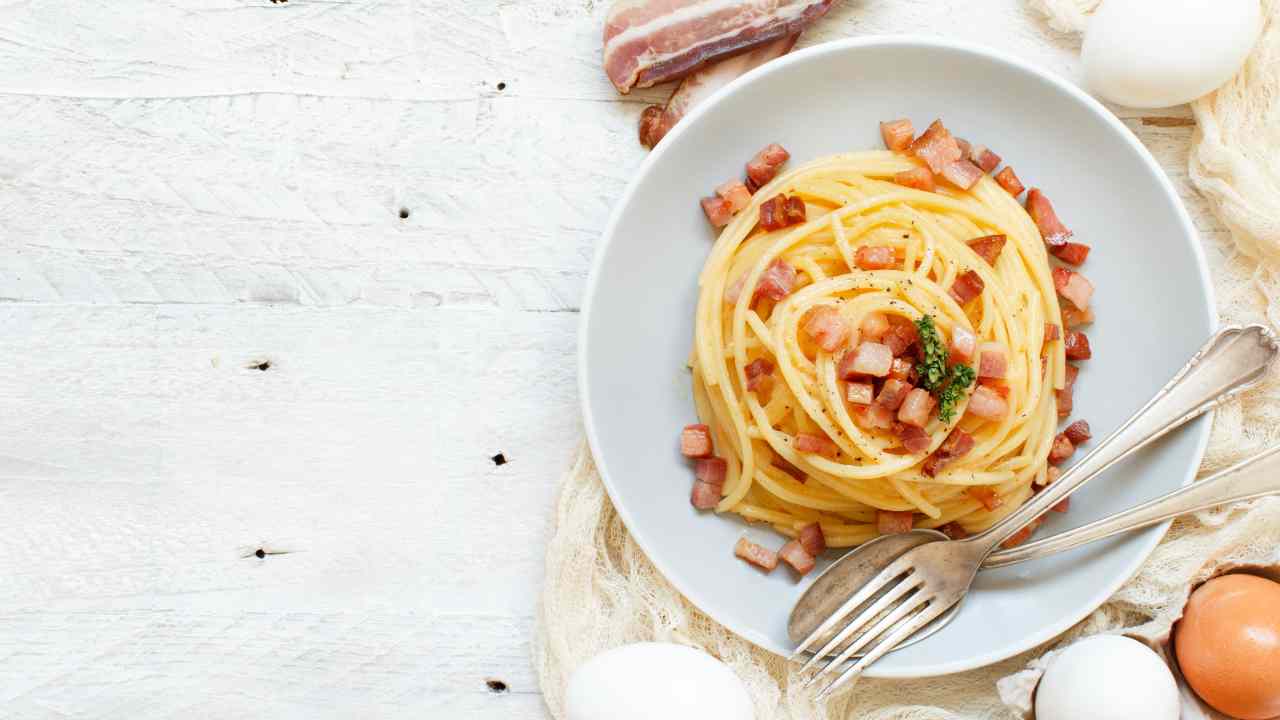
(191, 191)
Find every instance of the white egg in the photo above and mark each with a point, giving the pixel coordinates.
(1107, 677)
(1156, 53)
(656, 680)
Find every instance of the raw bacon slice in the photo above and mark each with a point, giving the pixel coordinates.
(875, 257)
(695, 441)
(1041, 211)
(797, 557)
(647, 42)
(918, 178)
(962, 173)
(988, 247)
(897, 134)
(657, 120)
(1008, 179)
(824, 324)
(891, 523)
(757, 555)
(967, 287)
(764, 166)
(958, 444)
(936, 147)
(812, 539)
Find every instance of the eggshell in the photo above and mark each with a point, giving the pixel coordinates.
(647, 681)
(1107, 677)
(1156, 53)
(1228, 645)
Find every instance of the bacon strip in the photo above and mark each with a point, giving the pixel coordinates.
(757, 555)
(647, 42)
(1052, 231)
(957, 445)
(657, 120)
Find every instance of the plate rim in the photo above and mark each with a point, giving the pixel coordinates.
(921, 42)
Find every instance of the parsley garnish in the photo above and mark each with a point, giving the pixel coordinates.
(933, 369)
(946, 384)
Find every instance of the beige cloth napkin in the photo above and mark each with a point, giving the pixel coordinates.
(601, 591)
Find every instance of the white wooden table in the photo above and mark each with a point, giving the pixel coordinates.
(249, 407)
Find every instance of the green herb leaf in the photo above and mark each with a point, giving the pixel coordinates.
(933, 369)
(960, 378)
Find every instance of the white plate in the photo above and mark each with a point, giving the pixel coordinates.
(1153, 302)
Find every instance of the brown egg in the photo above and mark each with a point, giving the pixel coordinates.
(1228, 645)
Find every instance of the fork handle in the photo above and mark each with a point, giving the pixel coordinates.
(1233, 359)
(1253, 478)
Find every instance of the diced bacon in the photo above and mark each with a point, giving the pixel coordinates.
(873, 326)
(1077, 345)
(820, 444)
(936, 147)
(871, 358)
(705, 496)
(1062, 505)
(794, 554)
(1071, 252)
(777, 281)
(757, 555)
(711, 471)
(892, 394)
(719, 211)
(735, 193)
(859, 393)
(902, 335)
(781, 211)
(913, 438)
(786, 467)
(982, 156)
(812, 539)
(1073, 286)
(993, 360)
(988, 247)
(695, 441)
(873, 417)
(962, 173)
(987, 404)
(1073, 318)
(957, 445)
(759, 374)
(897, 134)
(1078, 432)
(916, 408)
(824, 324)
(734, 290)
(967, 286)
(794, 211)
(764, 166)
(1066, 396)
(1052, 231)
(964, 146)
(997, 386)
(1023, 535)
(1053, 472)
(963, 344)
(657, 120)
(1008, 180)
(1052, 332)
(985, 495)
(954, 530)
(1061, 449)
(903, 369)
(875, 257)
(891, 523)
(647, 42)
(918, 178)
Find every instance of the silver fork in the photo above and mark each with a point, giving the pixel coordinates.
(925, 582)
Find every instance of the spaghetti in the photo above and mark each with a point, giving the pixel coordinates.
(817, 440)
